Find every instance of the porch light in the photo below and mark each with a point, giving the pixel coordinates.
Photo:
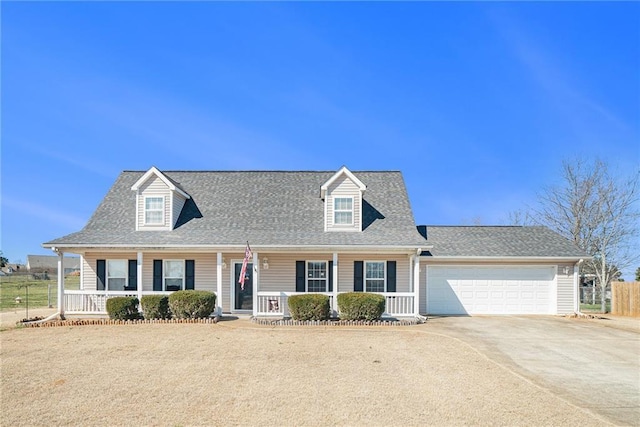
(224, 264)
(265, 263)
(565, 269)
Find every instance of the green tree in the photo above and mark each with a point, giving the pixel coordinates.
(3, 260)
(638, 275)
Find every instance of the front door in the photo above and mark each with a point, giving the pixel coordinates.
(243, 297)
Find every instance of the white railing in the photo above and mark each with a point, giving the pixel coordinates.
(94, 302)
(276, 303)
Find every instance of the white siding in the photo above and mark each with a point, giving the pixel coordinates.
(345, 270)
(205, 268)
(565, 289)
(154, 187)
(344, 187)
(89, 276)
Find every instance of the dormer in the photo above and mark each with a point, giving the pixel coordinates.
(342, 195)
(159, 201)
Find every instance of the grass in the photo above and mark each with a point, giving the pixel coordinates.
(17, 285)
(596, 308)
(234, 373)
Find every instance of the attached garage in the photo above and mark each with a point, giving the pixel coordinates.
(491, 289)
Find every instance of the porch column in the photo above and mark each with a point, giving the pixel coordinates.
(139, 275)
(416, 284)
(219, 284)
(256, 281)
(60, 283)
(335, 284)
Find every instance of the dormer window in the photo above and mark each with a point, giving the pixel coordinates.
(343, 211)
(154, 210)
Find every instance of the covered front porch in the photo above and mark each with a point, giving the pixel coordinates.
(271, 278)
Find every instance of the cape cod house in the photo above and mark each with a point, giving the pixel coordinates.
(320, 232)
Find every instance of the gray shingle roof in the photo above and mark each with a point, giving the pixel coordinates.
(263, 207)
(488, 241)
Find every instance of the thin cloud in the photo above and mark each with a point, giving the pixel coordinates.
(75, 161)
(42, 212)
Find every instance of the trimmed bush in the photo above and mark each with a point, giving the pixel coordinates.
(155, 306)
(192, 304)
(123, 308)
(360, 306)
(309, 307)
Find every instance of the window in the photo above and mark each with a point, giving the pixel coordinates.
(343, 211)
(316, 276)
(374, 276)
(154, 210)
(173, 275)
(116, 275)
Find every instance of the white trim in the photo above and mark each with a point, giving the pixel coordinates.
(364, 275)
(335, 280)
(219, 283)
(350, 175)
(163, 223)
(61, 283)
(236, 248)
(172, 222)
(255, 281)
(416, 283)
(553, 292)
(139, 261)
(106, 274)
(352, 211)
(164, 273)
(156, 172)
(306, 275)
(232, 276)
(81, 272)
(137, 210)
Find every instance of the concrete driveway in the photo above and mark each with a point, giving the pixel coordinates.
(586, 362)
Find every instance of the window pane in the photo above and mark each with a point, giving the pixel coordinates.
(153, 217)
(343, 203)
(375, 270)
(317, 286)
(343, 217)
(174, 269)
(153, 202)
(375, 286)
(116, 268)
(116, 284)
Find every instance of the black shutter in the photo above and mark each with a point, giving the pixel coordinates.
(358, 273)
(157, 274)
(190, 273)
(391, 276)
(133, 275)
(330, 276)
(300, 270)
(101, 272)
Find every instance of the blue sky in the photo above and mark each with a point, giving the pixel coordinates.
(476, 103)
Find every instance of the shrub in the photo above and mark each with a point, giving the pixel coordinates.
(309, 307)
(360, 306)
(192, 304)
(155, 306)
(123, 308)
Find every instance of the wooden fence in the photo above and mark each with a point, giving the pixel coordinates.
(625, 298)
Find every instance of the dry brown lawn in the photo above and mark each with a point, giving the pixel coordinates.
(235, 373)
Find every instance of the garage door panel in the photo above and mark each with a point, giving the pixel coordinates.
(489, 290)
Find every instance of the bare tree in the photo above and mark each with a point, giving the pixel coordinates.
(599, 213)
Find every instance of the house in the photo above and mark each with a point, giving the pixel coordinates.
(321, 232)
(49, 264)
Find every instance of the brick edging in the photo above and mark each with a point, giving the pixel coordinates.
(85, 322)
(291, 322)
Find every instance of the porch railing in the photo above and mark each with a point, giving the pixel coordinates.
(276, 303)
(94, 302)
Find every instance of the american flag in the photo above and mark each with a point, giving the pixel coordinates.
(247, 255)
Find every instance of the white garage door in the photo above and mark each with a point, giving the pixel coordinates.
(490, 290)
